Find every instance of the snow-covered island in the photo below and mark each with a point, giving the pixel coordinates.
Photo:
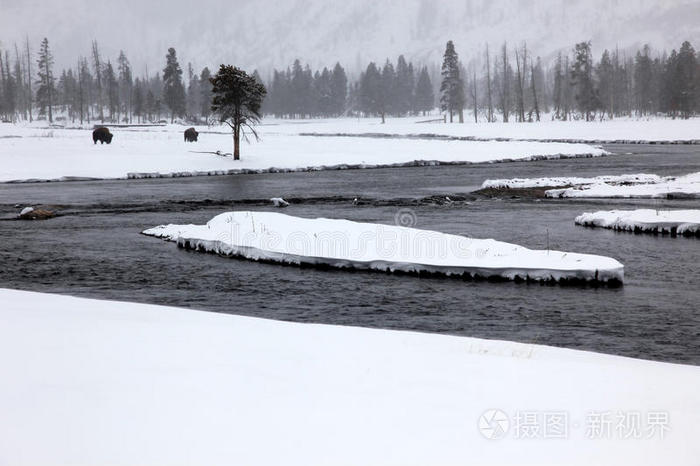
(673, 222)
(641, 185)
(101, 382)
(346, 244)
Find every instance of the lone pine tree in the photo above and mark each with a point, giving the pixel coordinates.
(173, 89)
(237, 98)
(452, 87)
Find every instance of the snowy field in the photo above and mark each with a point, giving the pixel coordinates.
(34, 153)
(90, 382)
(674, 222)
(619, 130)
(345, 244)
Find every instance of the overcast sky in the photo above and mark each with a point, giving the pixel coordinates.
(266, 33)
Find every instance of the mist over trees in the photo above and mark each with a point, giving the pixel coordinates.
(505, 83)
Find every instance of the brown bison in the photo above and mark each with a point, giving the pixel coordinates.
(191, 135)
(103, 135)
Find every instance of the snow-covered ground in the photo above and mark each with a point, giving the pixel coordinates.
(345, 244)
(674, 222)
(660, 130)
(88, 382)
(519, 183)
(687, 186)
(640, 185)
(48, 154)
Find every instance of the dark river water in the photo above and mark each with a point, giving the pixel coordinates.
(94, 249)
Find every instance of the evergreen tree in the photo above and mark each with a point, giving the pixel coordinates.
(452, 87)
(84, 89)
(173, 89)
(193, 101)
(151, 105)
(338, 90)
(643, 79)
(425, 97)
(404, 87)
(126, 85)
(46, 91)
(370, 89)
(237, 101)
(605, 72)
(138, 100)
(387, 94)
(205, 92)
(112, 88)
(582, 77)
(687, 79)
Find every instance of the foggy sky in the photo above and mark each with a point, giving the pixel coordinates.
(265, 33)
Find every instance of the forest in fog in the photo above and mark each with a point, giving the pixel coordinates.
(507, 83)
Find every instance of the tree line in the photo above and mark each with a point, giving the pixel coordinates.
(514, 85)
(510, 84)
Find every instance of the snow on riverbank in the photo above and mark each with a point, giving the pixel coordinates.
(674, 222)
(687, 186)
(55, 154)
(100, 382)
(346, 244)
(640, 185)
(520, 183)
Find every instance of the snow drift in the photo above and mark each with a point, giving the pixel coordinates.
(89, 382)
(673, 222)
(345, 244)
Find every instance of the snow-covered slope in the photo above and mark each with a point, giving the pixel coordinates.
(345, 244)
(88, 382)
(266, 33)
(674, 222)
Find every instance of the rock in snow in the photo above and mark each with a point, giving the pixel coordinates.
(674, 222)
(345, 244)
(88, 382)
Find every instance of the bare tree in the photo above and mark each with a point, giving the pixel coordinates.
(535, 103)
(29, 80)
(488, 86)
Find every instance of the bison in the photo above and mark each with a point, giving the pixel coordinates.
(191, 135)
(103, 135)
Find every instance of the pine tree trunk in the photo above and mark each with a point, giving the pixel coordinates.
(236, 145)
